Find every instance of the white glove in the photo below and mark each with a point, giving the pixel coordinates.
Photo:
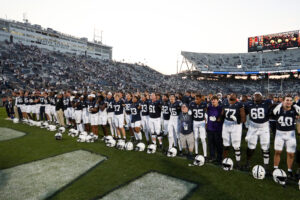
(212, 118)
(297, 108)
(277, 109)
(233, 118)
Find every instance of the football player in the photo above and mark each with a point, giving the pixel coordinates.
(85, 112)
(166, 114)
(285, 114)
(258, 111)
(128, 102)
(102, 114)
(154, 118)
(199, 108)
(93, 109)
(173, 126)
(135, 109)
(77, 105)
(110, 114)
(234, 116)
(145, 117)
(119, 115)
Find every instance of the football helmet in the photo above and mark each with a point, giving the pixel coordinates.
(15, 120)
(107, 138)
(62, 129)
(129, 146)
(82, 137)
(71, 131)
(140, 147)
(75, 133)
(111, 143)
(31, 122)
(279, 176)
(45, 125)
(199, 160)
(52, 128)
(227, 164)
(38, 124)
(58, 136)
(121, 144)
(172, 152)
(151, 148)
(89, 138)
(258, 172)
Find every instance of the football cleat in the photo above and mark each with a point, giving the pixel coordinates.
(15, 120)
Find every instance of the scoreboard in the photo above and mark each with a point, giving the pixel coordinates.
(274, 41)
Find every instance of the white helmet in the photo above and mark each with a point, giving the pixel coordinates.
(15, 120)
(71, 131)
(62, 129)
(129, 146)
(111, 143)
(39, 124)
(107, 138)
(151, 148)
(89, 138)
(172, 152)
(52, 128)
(140, 147)
(227, 164)
(58, 136)
(199, 160)
(31, 122)
(258, 172)
(45, 125)
(279, 176)
(75, 133)
(121, 144)
(95, 136)
(82, 137)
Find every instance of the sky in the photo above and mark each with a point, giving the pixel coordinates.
(154, 32)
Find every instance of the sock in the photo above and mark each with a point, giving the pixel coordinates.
(171, 142)
(290, 170)
(135, 135)
(160, 140)
(275, 167)
(146, 135)
(266, 155)
(139, 136)
(204, 146)
(196, 145)
(237, 152)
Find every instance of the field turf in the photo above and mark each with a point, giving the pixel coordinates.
(122, 167)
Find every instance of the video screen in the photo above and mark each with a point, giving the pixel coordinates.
(274, 41)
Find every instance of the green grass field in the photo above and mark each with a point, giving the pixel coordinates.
(122, 167)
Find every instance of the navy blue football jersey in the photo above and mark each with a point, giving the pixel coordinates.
(155, 109)
(20, 100)
(285, 120)
(175, 108)
(135, 110)
(145, 108)
(77, 104)
(127, 106)
(166, 110)
(258, 113)
(109, 103)
(198, 110)
(52, 101)
(91, 105)
(233, 109)
(26, 100)
(118, 107)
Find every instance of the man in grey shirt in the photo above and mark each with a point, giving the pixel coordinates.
(186, 130)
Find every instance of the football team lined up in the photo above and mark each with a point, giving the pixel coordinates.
(184, 120)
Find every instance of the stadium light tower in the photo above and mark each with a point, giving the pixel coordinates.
(97, 35)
